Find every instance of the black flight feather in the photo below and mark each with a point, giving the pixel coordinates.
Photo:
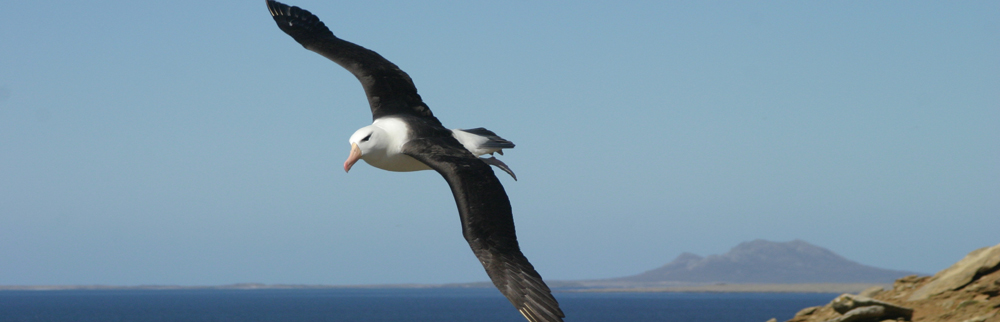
(390, 91)
(488, 225)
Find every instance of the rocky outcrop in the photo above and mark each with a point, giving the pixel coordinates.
(977, 263)
(862, 314)
(968, 291)
(855, 308)
(861, 308)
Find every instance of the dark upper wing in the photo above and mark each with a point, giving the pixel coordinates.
(488, 225)
(390, 90)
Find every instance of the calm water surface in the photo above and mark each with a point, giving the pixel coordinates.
(364, 305)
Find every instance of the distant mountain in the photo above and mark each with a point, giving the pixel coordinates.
(761, 261)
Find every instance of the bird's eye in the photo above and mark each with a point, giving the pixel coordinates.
(366, 138)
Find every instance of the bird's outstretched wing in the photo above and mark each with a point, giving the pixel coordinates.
(488, 225)
(390, 91)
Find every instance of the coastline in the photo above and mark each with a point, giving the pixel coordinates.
(748, 288)
(717, 288)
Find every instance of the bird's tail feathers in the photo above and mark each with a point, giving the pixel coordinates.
(492, 139)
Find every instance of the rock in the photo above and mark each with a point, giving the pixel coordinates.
(871, 291)
(975, 301)
(845, 303)
(867, 313)
(982, 318)
(985, 289)
(773, 320)
(975, 264)
(807, 311)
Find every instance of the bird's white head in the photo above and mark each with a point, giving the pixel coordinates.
(367, 142)
(380, 145)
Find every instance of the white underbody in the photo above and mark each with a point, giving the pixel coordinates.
(396, 162)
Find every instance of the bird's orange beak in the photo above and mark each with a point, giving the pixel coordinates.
(353, 157)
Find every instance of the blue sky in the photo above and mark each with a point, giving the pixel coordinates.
(195, 143)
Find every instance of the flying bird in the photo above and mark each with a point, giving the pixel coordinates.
(405, 136)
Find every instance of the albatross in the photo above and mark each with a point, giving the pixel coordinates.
(405, 136)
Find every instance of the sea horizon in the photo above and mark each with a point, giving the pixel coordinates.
(557, 286)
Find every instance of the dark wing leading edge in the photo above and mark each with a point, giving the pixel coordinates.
(488, 225)
(390, 90)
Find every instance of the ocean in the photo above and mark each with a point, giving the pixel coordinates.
(392, 304)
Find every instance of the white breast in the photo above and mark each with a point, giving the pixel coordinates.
(389, 155)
